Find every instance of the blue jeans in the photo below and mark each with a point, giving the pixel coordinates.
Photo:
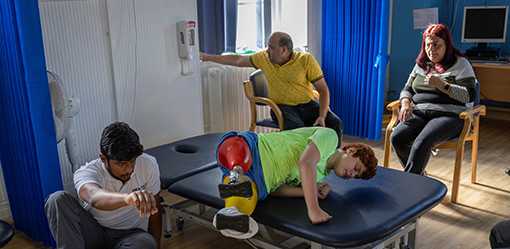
(414, 139)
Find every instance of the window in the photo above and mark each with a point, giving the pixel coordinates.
(290, 16)
(246, 25)
(254, 19)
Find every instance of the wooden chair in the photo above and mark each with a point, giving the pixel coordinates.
(470, 132)
(256, 91)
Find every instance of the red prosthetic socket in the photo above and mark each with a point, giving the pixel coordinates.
(234, 151)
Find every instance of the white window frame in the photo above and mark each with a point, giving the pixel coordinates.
(272, 19)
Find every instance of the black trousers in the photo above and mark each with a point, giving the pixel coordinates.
(414, 139)
(500, 235)
(75, 228)
(304, 115)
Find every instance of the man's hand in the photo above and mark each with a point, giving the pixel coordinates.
(323, 190)
(233, 60)
(320, 121)
(406, 110)
(204, 57)
(143, 201)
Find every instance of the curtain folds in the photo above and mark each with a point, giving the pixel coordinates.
(217, 25)
(354, 60)
(28, 149)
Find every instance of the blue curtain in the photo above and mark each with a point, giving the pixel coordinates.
(217, 25)
(230, 25)
(28, 149)
(211, 26)
(354, 60)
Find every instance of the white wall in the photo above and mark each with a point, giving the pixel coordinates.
(77, 48)
(119, 58)
(152, 94)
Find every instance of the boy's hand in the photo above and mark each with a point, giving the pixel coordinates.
(318, 216)
(323, 190)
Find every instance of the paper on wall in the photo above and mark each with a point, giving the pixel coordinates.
(423, 17)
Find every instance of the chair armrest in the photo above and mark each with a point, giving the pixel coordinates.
(471, 117)
(479, 110)
(274, 107)
(393, 105)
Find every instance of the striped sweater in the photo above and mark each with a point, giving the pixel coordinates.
(459, 97)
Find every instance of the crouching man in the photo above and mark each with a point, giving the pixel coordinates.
(118, 204)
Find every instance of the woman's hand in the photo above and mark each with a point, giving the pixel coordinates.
(405, 110)
(434, 81)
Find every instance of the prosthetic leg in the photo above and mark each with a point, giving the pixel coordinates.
(237, 189)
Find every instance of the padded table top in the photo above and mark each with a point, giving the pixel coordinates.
(363, 211)
(183, 158)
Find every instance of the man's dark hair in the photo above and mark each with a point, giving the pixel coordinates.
(120, 142)
(286, 41)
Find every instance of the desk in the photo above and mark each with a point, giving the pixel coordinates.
(494, 81)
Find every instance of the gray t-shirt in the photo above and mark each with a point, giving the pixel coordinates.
(145, 176)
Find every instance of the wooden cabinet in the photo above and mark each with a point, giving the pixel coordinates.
(494, 81)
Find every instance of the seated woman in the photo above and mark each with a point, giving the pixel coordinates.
(440, 86)
(289, 163)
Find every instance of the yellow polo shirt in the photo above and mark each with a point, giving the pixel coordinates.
(291, 83)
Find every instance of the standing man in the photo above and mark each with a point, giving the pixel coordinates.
(119, 193)
(291, 77)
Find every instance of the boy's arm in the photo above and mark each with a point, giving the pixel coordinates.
(307, 170)
(286, 190)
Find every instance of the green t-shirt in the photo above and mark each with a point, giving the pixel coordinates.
(280, 153)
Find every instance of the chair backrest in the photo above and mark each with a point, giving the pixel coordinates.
(259, 84)
(477, 93)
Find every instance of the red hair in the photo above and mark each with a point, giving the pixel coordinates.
(451, 53)
(366, 156)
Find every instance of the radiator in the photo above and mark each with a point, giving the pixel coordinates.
(225, 105)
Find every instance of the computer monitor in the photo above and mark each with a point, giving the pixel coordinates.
(483, 24)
